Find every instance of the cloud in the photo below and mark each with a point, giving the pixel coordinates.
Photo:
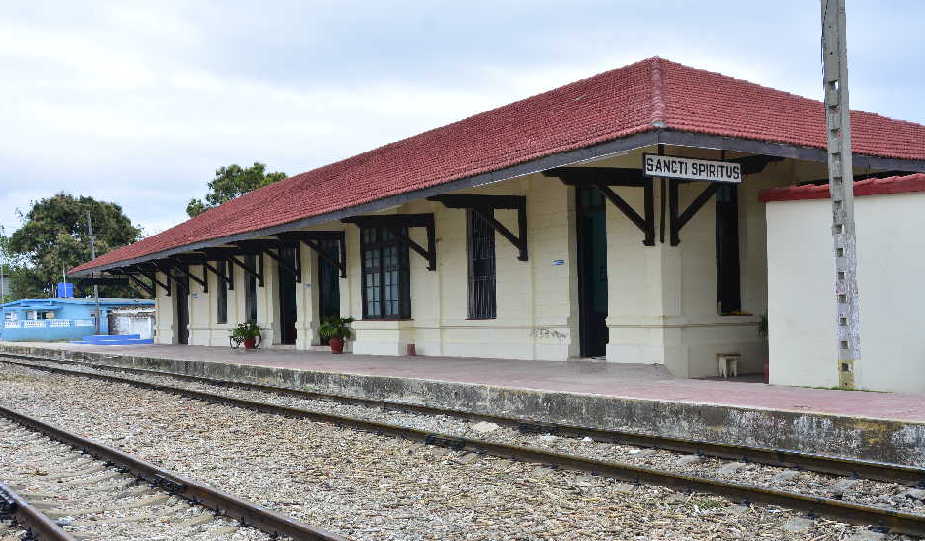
(139, 103)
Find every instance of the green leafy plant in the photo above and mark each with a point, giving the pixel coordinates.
(245, 331)
(336, 327)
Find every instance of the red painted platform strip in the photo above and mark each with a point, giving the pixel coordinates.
(634, 381)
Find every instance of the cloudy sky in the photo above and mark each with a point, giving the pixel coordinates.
(139, 102)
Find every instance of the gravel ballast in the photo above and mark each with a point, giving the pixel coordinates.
(95, 501)
(366, 486)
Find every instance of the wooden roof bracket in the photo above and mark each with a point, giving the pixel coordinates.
(295, 271)
(313, 239)
(185, 271)
(405, 220)
(483, 204)
(678, 221)
(602, 178)
(256, 273)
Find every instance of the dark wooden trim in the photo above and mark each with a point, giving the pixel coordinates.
(256, 273)
(397, 221)
(313, 239)
(678, 221)
(182, 267)
(145, 287)
(206, 265)
(558, 159)
(602, 178)
(482, 204)
(283, 265)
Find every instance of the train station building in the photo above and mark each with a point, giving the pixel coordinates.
(624, 217)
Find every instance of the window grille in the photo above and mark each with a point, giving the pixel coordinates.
(221, 296)
(250, 293)
(482, 269)
(386, 274)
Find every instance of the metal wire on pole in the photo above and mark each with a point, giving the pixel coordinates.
(841, 187)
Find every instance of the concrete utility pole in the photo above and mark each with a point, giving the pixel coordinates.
(96, 288)
(2, 263)
(841, 187)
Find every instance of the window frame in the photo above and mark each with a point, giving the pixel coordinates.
(221, 294)
(251, 312)
(728, 252)
(380, 247)
(482, 301)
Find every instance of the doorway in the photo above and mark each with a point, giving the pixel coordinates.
(592, 272)
(288, 309)
(182, 295)
(328, 282)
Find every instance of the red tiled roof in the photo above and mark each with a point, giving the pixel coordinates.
(870, 186)
(645, 96)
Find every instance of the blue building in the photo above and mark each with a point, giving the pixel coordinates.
(48, 320)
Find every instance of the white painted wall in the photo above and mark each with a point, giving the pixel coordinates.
(801, 312)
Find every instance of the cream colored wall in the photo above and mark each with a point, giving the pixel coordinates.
(802, 311)
(534, 306)
(662, 299)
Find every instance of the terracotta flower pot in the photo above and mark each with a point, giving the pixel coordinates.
(250, 343)
(336, 344)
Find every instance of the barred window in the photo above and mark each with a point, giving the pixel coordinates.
(386, 274)
(482, 296)
(221, 296)
(250, 292)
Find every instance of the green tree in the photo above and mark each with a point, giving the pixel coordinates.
(55, 237)
(230, 182)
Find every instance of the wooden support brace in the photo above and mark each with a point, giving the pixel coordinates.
(519, 242)
(256, 273)
(484, 204)
(396, 221)
(214, 270)
(144, 287)
(340, 264)
(645, 224)
(285, 266)
(678, 221)
(428, 254)
(193, 277)
(166, 285)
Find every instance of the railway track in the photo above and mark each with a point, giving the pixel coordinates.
(60, 486)
(895, 520)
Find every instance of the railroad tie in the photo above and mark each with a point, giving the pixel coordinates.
(142, 502)
(141, 517)
(71, 474)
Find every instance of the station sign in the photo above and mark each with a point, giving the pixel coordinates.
(655, 165)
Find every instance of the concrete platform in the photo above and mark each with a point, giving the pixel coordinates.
(887, 427)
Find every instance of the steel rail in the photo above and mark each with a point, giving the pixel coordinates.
(39, 525)
(784, 458)
(224, 503)
(894, 520)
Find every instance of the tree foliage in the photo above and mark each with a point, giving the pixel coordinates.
(230, 182)
(55, 237)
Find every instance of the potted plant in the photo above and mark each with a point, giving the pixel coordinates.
(247, 333)
(336, 330)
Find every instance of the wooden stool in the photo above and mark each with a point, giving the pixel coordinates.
(728, 364)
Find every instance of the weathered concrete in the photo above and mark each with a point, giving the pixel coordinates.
(888, 440)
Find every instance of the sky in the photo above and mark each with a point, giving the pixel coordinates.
(139, 102)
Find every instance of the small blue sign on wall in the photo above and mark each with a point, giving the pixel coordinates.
(558, 262)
